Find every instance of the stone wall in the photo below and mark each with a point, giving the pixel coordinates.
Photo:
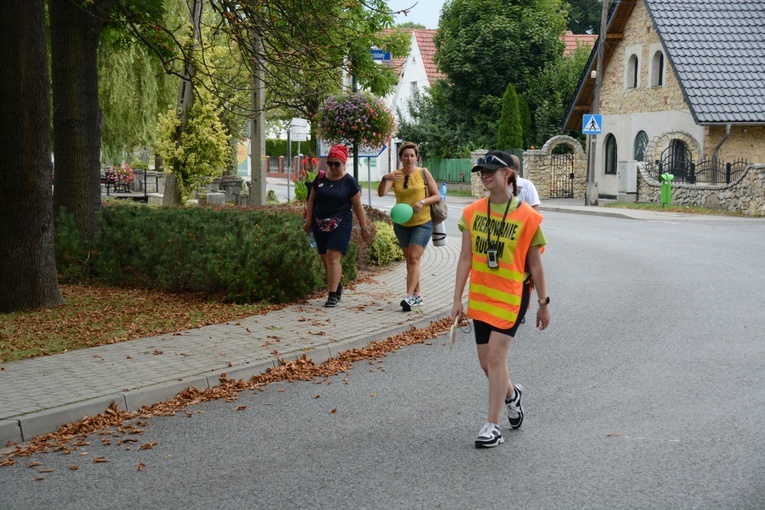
(537, 167)
(744, 142)
(617, 97)
(746, 195)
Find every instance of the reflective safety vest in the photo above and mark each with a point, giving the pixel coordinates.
(495, 294)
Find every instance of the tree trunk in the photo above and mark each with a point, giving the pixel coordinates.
(77, 118)
(27, 261)
(172, 196)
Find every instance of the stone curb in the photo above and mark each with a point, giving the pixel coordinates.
(26, 427)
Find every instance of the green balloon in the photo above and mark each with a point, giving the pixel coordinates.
(401, 213)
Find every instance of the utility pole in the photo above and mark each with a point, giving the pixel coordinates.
(258, 123)
(596, 102)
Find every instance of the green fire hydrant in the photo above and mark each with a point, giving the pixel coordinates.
(666, 189)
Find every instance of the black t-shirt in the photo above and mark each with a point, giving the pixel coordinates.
(332, 199)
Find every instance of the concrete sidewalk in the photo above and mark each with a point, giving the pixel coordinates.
(37, 395)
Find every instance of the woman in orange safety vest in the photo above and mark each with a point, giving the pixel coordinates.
(501, 240)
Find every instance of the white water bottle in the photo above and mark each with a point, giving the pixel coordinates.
(443, 192)
(311, 238)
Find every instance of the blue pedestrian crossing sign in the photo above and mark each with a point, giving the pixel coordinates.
(592, 124)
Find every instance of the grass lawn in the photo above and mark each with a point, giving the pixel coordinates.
(96, 315)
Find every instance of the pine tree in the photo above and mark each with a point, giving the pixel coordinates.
(510, 134)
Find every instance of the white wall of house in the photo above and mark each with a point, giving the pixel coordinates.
(626, 127)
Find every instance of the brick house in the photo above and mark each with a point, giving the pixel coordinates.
(683, 80)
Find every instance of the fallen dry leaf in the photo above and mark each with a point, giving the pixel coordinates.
(147, 446)
(117, 422)
(333, 411)
(33, 464)
(240, 408)
(316, 396)
(47, 470)
(616, 434)
(141, 466)
(74, 467)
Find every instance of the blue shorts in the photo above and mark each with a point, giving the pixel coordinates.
(337, 240)
(419, 235)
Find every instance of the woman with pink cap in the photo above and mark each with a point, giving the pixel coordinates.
(333, 197)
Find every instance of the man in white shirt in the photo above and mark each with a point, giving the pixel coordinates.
(527, 192)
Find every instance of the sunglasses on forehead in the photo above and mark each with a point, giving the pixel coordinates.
(490, 160)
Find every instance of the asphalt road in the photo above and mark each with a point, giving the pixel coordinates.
(646, 392)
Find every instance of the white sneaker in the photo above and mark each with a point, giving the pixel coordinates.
(407, 303)
(417, 298)
(489, 437)
(514, 408)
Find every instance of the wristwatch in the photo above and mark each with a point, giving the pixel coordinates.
(544, 302)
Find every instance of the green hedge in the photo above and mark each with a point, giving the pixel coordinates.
(276, 148)
(241, 255)
(230, 253)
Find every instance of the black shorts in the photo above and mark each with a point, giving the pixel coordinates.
(483, 329)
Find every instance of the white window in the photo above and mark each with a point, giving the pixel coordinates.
(413, 87)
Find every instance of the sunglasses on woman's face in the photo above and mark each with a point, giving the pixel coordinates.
(406, 182)
(489, 160)
(335, 164)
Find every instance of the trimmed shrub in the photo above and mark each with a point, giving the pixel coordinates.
(385, 248)
(240, 255)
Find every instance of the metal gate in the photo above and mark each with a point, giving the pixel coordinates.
(562, 166)
(676, 159)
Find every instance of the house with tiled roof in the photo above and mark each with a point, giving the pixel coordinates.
(682, 92)
(572, 41)
(416, 72)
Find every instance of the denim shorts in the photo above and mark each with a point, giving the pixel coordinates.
(419, 234)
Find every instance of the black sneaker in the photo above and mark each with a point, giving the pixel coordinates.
(339, 291)
(407, 303)
(514, 408)
(331, 301)
(489, 437)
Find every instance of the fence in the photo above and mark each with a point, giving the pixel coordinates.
(449, 170)
(706, 171)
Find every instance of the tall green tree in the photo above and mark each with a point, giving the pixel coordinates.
(482, 45)
(27, 262)
(510, 134)
(523, 107)
(552, 93)
(584, 16)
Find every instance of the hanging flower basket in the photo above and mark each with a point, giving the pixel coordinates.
(355, 117)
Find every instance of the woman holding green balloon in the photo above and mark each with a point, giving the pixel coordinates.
(415, 191)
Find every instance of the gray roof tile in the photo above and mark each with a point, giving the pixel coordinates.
(717, 49)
